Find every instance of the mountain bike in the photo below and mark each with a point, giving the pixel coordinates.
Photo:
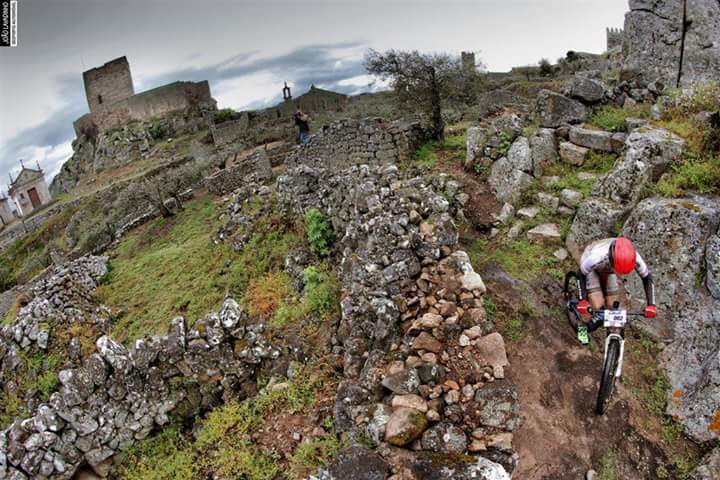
(615, 320)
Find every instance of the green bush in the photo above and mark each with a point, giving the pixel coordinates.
(322, 292)
(320, 232)
(224, 115)
(506, 141)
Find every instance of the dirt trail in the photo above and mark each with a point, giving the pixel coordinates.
(557, 381)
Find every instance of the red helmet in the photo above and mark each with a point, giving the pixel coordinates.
(622, 256)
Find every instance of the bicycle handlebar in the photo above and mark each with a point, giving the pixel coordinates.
(601, 311)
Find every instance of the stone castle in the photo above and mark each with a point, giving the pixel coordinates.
(614, 37)
(112, 100)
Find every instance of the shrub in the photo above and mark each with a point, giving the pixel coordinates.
(701, 98)
(320, 232)
(321, 294)
(224, 115)
(546, 69)
(506, 140)
(265, 294)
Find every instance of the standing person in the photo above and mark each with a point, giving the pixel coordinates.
(302, 122)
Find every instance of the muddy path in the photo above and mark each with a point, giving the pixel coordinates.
(557, 379)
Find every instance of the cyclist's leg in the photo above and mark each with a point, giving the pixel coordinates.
(595, 293)
(612, 290)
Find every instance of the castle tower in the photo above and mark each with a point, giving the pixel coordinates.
(614, 37)
(108, 84)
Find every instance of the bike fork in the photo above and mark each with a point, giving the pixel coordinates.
(621, 340)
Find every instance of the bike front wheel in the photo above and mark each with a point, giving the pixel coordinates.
(607, 382)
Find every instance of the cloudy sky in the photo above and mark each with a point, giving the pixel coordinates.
(247, 48)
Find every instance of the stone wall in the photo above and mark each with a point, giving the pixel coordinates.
(411, 302)
(354, 142)
(25, 227)
(231, 130)
(108, 84)
(255, 168)
(117, 395)
(174, 97)
(674, 41)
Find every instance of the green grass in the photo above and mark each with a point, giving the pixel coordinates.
(321, 296)
(609, 466)
(700, 175)
(451, 150)
(312, 454)
(520, 258)
(612, 118)
(223, 444)
(172, 267)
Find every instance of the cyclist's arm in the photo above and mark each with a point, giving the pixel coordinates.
(642, 269)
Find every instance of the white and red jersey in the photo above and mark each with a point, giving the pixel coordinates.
(596, 258)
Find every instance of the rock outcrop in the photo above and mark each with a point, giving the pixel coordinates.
(674, 235)
(674, 41)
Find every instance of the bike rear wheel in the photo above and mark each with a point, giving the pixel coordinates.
(607, 381)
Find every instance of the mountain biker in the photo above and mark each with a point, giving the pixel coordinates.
(600, 265)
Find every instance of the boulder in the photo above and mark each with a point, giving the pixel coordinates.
(430, 466)
(653, 39)
(506, 213)
(546, 200)
(507, 182)
(520, 155)
(356, 463)
(709, 468)
(673, 236)
(498, 406)
(586, 89)
(573, 154)
(544, 147)
(545, 233)
(650, 152)
(571, 198)
(593, 139)
(404, 426)
(444, 437)
(596, 218)
(712, 266)
(554, 109)
(475, 143)
(410, 401)
(491, 350)
(403, 382)
(528, 212)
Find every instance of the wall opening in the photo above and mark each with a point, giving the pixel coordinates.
(100, 99)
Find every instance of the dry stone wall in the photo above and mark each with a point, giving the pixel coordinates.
(255, 168)
(354, 142)
(412, 303)
(118, 395)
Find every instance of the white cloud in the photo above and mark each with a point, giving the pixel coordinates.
(240, 92)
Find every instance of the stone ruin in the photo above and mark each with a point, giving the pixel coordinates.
(117, 396)
(424, 367)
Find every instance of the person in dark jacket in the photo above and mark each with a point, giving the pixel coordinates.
(302, 122)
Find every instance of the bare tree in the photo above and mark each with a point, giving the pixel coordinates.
(421, 81)
(177, 180)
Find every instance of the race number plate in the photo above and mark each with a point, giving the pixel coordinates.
(615, 318)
